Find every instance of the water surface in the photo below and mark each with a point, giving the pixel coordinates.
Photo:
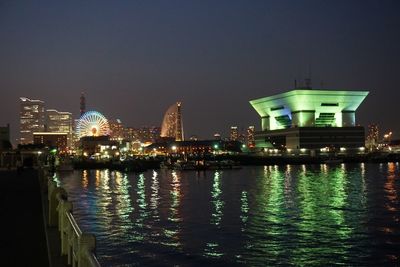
(344, 214)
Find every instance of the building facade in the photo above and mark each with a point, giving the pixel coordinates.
(32, 119)
(250, 137)
(116, 130)
(172, 125)
(60, 122)
(58, 140)
(309, 118)
(234, 133)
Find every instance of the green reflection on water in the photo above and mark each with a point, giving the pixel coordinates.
(213, 249)
(244, 208)
(270, 210)
(172, 230)
(216, 201)
(154, 197)
(121, 192)
(322, 198)
(175, 196)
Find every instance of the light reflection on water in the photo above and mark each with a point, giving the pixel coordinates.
(344, 214)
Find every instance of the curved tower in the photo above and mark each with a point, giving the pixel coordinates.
(172, 125)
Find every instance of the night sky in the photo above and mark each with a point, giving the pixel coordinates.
(133, 59)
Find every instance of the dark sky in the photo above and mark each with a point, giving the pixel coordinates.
(133, 59)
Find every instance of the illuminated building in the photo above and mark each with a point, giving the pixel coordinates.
(32, 119)
(310, 119)
(217, 136)
(130, 134)
(250, 137)
(144, 134)
(116, 130)
(59, 140)
(90, 145)
(234, 134)
(372, 137)
(172, 125)
(59, 122)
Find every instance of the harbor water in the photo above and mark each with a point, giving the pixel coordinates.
(289, 215)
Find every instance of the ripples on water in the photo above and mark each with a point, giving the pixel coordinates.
(345, 214)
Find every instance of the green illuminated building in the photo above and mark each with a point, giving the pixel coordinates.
(310, 118)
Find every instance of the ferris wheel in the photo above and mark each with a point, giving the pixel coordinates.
(92, 123)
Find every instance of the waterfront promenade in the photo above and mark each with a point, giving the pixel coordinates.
(26, 238)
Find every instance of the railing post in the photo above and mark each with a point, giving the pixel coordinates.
(64, 208)
(53, 204)
(87, 244)
(79, 247)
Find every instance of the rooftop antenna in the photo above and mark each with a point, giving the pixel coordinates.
(308, 80)
(295, 84)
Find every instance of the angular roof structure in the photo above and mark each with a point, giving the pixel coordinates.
(327, 107)
(309, 99)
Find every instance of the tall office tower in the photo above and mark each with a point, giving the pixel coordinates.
(373, 136)
(250, 137)
(60, 122)
(82, 104)
(234, 133)
(32, 119)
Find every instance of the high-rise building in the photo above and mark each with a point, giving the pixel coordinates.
(143, 134)
(172, 125)
(32, 119)
(373, 137)
(234, 135)
(250, 137)
(60, 122)
(116, 129)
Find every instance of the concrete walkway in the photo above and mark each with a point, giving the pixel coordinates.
(26, 240)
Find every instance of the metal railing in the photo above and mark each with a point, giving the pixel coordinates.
(77, 246)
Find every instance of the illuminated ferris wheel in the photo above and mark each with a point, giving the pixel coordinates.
(92, 123)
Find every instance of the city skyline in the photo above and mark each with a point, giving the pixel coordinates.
(133, 59)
